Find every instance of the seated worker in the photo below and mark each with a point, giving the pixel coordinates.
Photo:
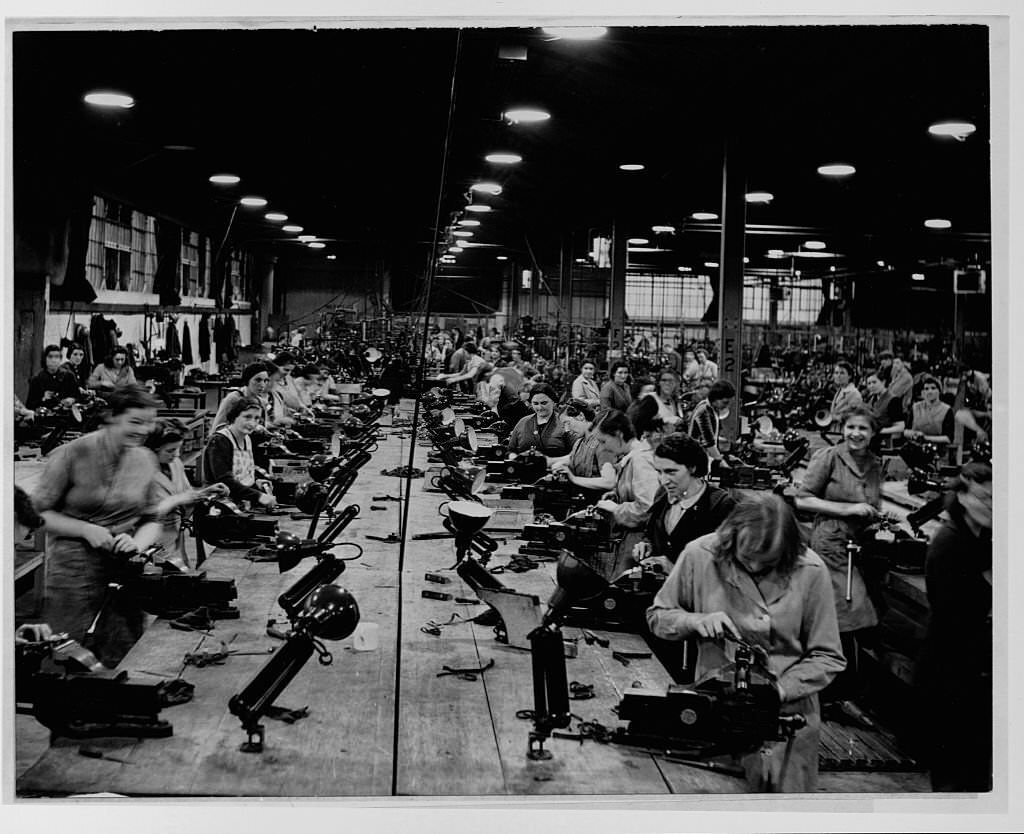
(887, 408)
(98, 497)
(636, 488)
(306, 379)
(255, 381)
(541, 431)
(668, 397)
(53, 385)
(847, 393)
(112, 372)
(954, 670)
(706, 420)
(974, 406)
(228, 459)
(76, 364)
(754, 580)
(278, 415)
(174, 493)
(615, 393)
(590, 463)
(286, 388)
(690, 507)
(585, 386)
(930, 417)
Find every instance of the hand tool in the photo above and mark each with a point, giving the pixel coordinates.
(387, 498)
(466, 674)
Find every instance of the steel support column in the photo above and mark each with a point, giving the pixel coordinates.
(617, 295)
(730, 294)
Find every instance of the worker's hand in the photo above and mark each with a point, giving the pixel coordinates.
(124, 543)
(912, 434)
(606, 505)
(217, 490)
(68, 401)
(561, 466)
(861, 510)
(715, 624)
(660, 564)
(29, 633)
(267, 500)
(97, 537)
(641, 551)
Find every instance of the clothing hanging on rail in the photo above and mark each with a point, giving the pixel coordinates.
(204, 337)
(172, 344)
(186, 345)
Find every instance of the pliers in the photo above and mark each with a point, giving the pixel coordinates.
(466, 674)
(387, 498)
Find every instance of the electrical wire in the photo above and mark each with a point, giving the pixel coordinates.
(419, 347)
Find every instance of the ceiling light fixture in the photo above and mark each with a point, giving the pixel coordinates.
(109, 98)
(836, 169)
(456, 249)
(761, 197)
(685, 268)
(332, 257)
(469, 222)
(525, 115)
(225, 179)
(638, 241)
(275, 217)
(486, 188)
(307, 238)
(953, 129)
(711, 264)
(503, 158)
(937, 223)
(814, 244)
(478, 208)
(814, 254)
(776, 253)
(917, 276)
(581, 260)
(663, 230)
(292, 228)
(704, 215)
(315, 244)
(575, 33)
(253, 202)
(502, 257)
(462, 233)
(631, 166)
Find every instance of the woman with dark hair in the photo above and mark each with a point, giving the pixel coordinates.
(53, 385)
(585, 386)
(76, 364)
(843, 488)
(174, 493)
(112, 372)
(615, 393)
(754, 580)
(228, 459)
(706, 420)
(954, 671)
(255, 381)
(929, 417)
(590, 464)
(286, 388)
(542, 430)
(277, 414)
(98, 497)
(636, 485)
(847, 394)
(690, 508)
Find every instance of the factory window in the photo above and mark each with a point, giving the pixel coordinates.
(117, 269)
(663, 297)
(189, 263)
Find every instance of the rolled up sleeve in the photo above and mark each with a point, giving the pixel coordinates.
(671, 616)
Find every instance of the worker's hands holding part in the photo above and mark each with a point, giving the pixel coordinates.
(33, 633)
(715, 625)
(861, 510)
(97, 537)
(124, 543)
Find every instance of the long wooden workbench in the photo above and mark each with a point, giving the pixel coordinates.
(382, 722)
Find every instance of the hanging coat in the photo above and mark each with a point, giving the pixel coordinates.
(221, 338)
(204, 338)
(232, 339)
(186, 345)
(172, 344)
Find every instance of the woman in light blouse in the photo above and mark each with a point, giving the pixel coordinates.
(585, 387)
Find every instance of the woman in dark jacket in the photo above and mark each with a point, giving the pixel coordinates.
(615, 393)
(690, 507)
(228, 459)
(542, 431)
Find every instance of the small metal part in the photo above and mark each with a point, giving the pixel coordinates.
(435, 595)
(436, 577)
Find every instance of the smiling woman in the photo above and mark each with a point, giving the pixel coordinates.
(98, 498)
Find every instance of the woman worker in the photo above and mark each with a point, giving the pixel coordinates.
(929, 417)
(753, 580)
(585, 386)
(847, 394)
(667, 396)
(615, 393)
(541, 431)
(98, 497)
(636, 488)
(174, 493)
(690, 507)
(227, 458)
(843, 488)
(255, 381)
(112, 372)
(591, 463)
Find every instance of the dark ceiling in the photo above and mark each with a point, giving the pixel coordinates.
(345, 131)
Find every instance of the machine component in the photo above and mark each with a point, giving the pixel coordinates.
(715, 716)
(288, 549)
(328, 613)
(527, 467)
(520, 614)
(222, 524)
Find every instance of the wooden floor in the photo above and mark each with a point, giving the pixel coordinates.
(381, 723)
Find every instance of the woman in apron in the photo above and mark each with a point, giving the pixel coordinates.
(98, 498)
(228, 456)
